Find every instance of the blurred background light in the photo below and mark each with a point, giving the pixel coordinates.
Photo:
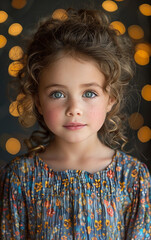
(15, 29)
(143, 46)
(119, 26)
(141, 57)
(60, 14)
(109, 6)
(15, 53)
(3, 16)
(3, 41)
(136, 120)
(13, 110)
(135, 32)
(18, 4)
(146, 92)
(145, 9)
(14, 67)
(3, 138)
(31, 120)
(13, 146)
(144, 134)
(20, 96)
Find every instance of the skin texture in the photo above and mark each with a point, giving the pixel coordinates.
(74, 103)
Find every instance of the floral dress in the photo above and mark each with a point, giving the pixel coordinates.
(38, 203)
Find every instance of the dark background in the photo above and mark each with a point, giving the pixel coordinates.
(128, 13)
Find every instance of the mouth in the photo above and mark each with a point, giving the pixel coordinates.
(74, 126)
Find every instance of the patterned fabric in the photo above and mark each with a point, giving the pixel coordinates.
(39, 203)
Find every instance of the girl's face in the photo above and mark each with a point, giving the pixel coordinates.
(71, 91)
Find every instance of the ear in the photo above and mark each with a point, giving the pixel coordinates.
(111, 102)
(37, 104)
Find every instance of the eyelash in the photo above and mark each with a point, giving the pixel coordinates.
(51, 94)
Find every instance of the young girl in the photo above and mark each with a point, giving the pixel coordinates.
(74, 183)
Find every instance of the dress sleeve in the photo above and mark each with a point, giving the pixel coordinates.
(139, 226)
(13, 219)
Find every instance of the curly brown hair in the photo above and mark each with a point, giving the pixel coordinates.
(86, 34)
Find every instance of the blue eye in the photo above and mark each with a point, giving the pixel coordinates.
(90, 94)
(56, 95)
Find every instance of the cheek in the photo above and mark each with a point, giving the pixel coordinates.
(52, 116)
(97, 115)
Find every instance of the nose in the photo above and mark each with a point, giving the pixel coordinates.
(73, 109)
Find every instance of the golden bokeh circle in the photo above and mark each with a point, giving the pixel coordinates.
(135, 32)
(3, 41)
(13, 109)
(31, 120)
(144, 134)
(18, 4)
(13, 146)
(15, 53)
(146, 92)
(145, 9)
(14, 68)
(3, 138)
(15, 29)
(3, 16)
(143, 46)
(141, 57)
(20, 96)
(109, 6)
(136, 121)
(60, 14)
(119, 26)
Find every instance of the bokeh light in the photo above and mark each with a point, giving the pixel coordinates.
(16, 111)
(15, 29)
(135, 32)
(144, 134)
(14, 68)
(3, 16)
(13, 146)
(109, 6)
(141, 57)
(60, 14)
(119, 26)
(13, 110)
(20, 96)
(136, 120)
(143, 46)
(3, 138)
(31, 120)
(15, 53)
(3, 41)
(145, 9)
(146, 92)
(18, 4)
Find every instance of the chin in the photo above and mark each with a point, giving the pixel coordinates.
(74, 139)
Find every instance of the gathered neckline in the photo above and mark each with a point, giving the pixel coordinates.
(50, 169)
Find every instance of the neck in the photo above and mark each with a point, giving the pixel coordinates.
(73, 152)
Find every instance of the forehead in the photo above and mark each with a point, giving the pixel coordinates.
(70, 70)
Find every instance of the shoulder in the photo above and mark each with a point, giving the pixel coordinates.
(130, 168)
(18, 166)
(129, 162)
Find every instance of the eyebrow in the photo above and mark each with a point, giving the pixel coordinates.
(82, 85)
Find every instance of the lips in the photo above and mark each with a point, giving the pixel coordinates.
(74, 125)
